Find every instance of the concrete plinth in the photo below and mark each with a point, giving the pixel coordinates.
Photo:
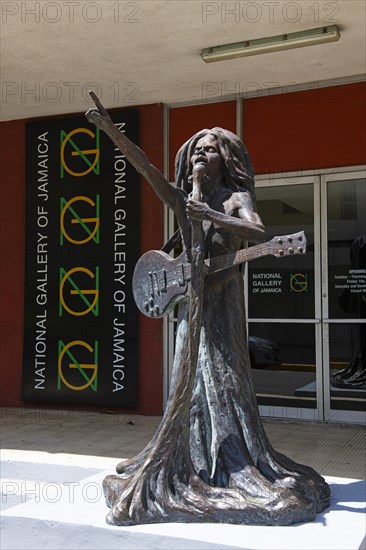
(60, 505)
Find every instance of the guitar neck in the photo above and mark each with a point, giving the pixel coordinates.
(246, 254)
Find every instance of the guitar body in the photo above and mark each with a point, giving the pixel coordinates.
(159, 282)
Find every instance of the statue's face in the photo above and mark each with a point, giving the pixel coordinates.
(207, 153)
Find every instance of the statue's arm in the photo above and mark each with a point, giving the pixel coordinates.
(243, 221)
(165, 191)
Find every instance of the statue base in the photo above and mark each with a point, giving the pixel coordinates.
(64, 523)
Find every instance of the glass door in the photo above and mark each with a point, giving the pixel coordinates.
(344, 296)
(284, 305)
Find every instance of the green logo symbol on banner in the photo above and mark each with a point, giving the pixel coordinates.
(68, 141)
(76, 375)
(65, 297)
(90, 225)
(298, 282)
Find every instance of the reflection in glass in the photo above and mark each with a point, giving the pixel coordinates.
(284, 287)
(354, 374)
(346, 248)
(283, 363)
(347, 273)
(347, 349)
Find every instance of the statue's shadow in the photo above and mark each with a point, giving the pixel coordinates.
(345, 497)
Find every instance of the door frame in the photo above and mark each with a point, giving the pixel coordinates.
(299, 413)
(329, 413)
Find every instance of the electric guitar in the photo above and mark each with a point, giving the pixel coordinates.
(159, 281)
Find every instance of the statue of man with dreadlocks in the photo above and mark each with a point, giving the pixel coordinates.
(210, 459)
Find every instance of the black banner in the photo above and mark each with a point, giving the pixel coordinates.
(82, 243)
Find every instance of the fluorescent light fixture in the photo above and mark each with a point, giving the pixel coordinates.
(278, 43)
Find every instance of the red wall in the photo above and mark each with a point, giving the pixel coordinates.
(12, 189)
(184, 122)
(152, 234)
(317, 128)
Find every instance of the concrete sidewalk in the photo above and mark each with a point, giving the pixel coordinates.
(53, 464)
(331, 449)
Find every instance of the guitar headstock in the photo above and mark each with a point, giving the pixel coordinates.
(288, 245)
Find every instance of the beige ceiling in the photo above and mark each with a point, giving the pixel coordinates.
(147, 51)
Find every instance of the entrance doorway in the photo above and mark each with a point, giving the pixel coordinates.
(306, 313)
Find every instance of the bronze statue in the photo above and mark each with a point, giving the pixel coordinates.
(210, 459)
